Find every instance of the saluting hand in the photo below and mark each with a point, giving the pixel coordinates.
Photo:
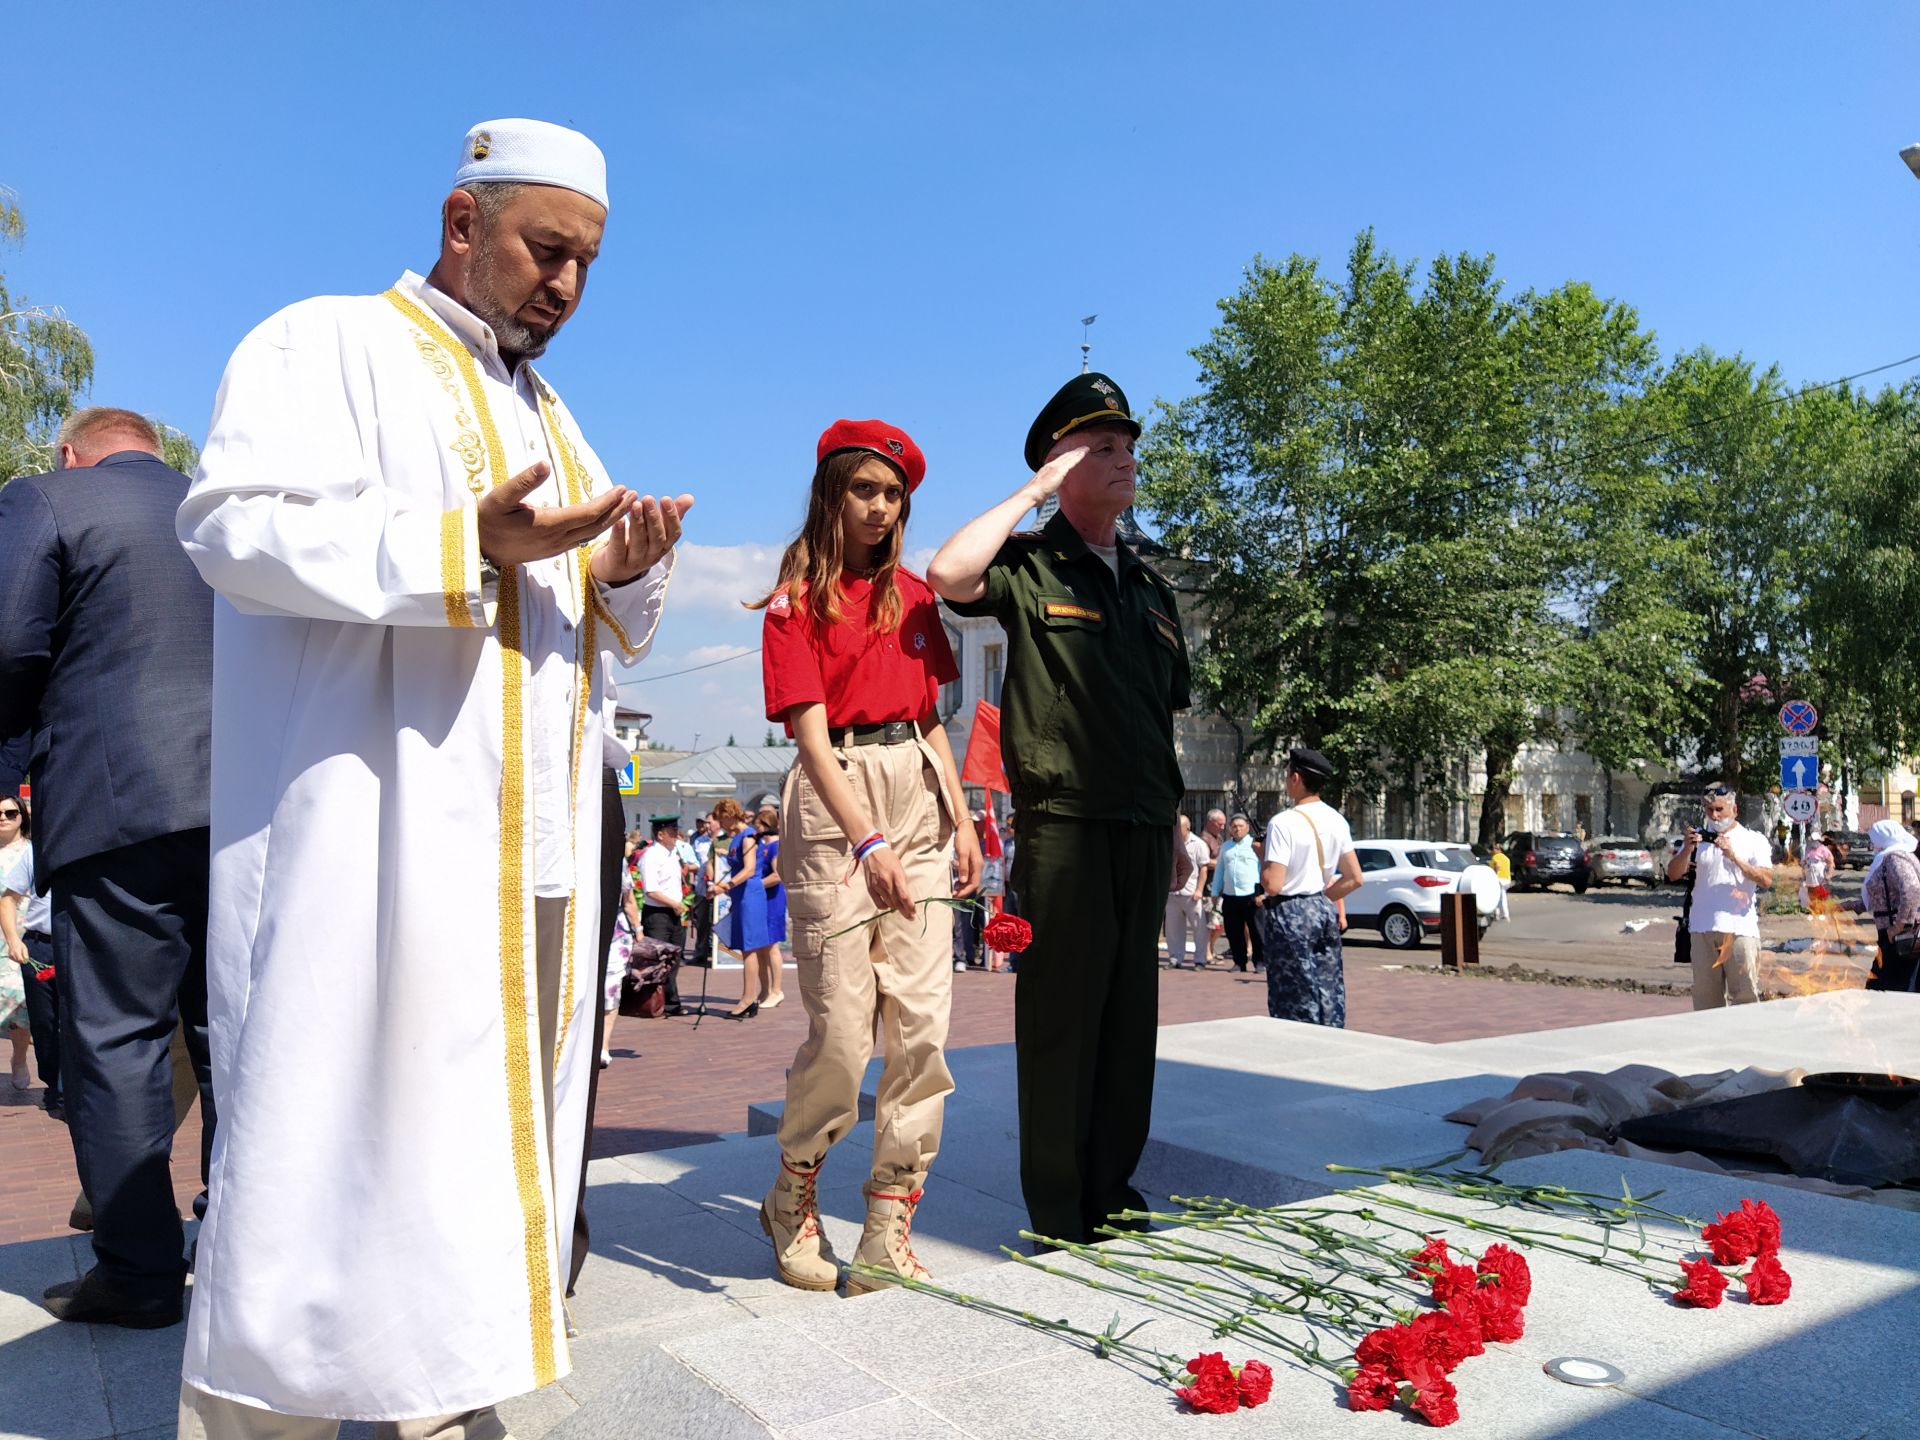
(512, 532)
(637, 543)
(1050, 476)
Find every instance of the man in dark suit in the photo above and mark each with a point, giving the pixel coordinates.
(106, 656)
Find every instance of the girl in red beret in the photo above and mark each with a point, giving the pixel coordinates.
(854, 654)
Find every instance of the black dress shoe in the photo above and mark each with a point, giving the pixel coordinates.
(91, 1300)
(674, 1011)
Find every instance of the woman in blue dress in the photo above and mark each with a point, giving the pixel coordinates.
(767, 822)
(746, 930)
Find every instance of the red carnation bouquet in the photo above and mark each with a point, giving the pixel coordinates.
(1282, 1278)
(1751, 1233)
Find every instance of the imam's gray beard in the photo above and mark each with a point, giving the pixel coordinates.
(511, 334)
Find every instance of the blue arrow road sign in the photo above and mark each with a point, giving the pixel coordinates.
(1799, 772)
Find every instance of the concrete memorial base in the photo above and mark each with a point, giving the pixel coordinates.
(686, 1333)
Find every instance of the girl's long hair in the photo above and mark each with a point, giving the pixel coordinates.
(811, 568)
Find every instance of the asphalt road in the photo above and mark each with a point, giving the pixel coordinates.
(1610, 932)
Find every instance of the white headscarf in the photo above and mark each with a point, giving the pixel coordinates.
(1887, 836)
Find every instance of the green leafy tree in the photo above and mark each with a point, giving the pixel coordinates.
(1382, 486)
(46, 364)
(1745, 523)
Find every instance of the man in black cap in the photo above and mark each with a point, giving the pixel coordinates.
(1310, 867)
(663, 898)
(1096, 666)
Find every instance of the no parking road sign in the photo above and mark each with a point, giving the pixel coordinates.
(1798, 717)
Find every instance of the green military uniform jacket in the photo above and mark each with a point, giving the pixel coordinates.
(1095, 670)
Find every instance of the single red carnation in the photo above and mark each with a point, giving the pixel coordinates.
(1766, 1224)
(1372, 1388)
(1445, 1339)
(1212, 1394)
(1501, 1321)
(1428, 1258)
(44, 973)
(1451, 1280)
(1509, 1266)
(1008, 934)
(1213, 1390)
(1705, 1285)
(1767, 1283)
(1387, 1348)
(1211, 1363)
(1256, 1383)
(1432, 1396)
(1734, 1238)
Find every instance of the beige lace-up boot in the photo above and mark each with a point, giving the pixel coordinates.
(791, 1217)
(887, 1241)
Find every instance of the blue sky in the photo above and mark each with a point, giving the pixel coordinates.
(902, 210)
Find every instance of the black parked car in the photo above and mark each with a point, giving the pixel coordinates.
(1543, 858)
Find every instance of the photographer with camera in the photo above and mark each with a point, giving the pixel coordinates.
(1723, 923)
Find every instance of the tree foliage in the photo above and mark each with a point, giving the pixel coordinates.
(46, 364)
(1434, 522)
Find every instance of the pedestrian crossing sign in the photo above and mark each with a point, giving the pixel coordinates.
(629, 774)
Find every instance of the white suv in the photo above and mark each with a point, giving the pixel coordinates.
(1401, 882)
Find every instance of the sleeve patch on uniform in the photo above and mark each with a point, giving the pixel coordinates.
(1067, 610)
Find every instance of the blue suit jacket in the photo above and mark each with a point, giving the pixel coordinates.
(106, 656)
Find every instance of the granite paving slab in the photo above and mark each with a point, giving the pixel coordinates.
(779, 1374)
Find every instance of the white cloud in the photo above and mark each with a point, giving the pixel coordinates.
(721, 577)
(709, 654)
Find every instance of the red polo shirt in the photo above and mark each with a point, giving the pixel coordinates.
(863, 677)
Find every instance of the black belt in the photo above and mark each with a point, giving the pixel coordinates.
(891, 732)
(1289, 899)
(38, 935)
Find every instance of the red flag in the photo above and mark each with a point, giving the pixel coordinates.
(982, 766)
(990, 846)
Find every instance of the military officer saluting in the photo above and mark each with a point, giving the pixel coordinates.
(1096, 666)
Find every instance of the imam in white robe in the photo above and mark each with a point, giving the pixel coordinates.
(403, 761)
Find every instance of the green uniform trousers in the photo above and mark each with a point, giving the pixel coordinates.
(1086, 1013)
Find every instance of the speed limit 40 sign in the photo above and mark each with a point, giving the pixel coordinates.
(1801, 806)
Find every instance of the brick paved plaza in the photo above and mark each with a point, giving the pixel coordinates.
(672, 1084)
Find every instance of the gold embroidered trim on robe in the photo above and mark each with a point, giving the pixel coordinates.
(536, 1231)
(585, 655)
(453, 567)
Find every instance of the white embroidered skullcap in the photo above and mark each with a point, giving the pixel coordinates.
(532, 152)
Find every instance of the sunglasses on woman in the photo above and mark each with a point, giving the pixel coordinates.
(9, 814)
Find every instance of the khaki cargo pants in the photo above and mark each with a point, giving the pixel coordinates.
(896, 975)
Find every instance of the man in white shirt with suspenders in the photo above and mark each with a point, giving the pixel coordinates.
(1310, 866)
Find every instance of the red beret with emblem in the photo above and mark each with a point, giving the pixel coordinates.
(889, 442)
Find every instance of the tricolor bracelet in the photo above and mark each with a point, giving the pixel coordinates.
(873, 842)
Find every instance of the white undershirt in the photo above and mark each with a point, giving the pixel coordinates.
(1110, 554)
